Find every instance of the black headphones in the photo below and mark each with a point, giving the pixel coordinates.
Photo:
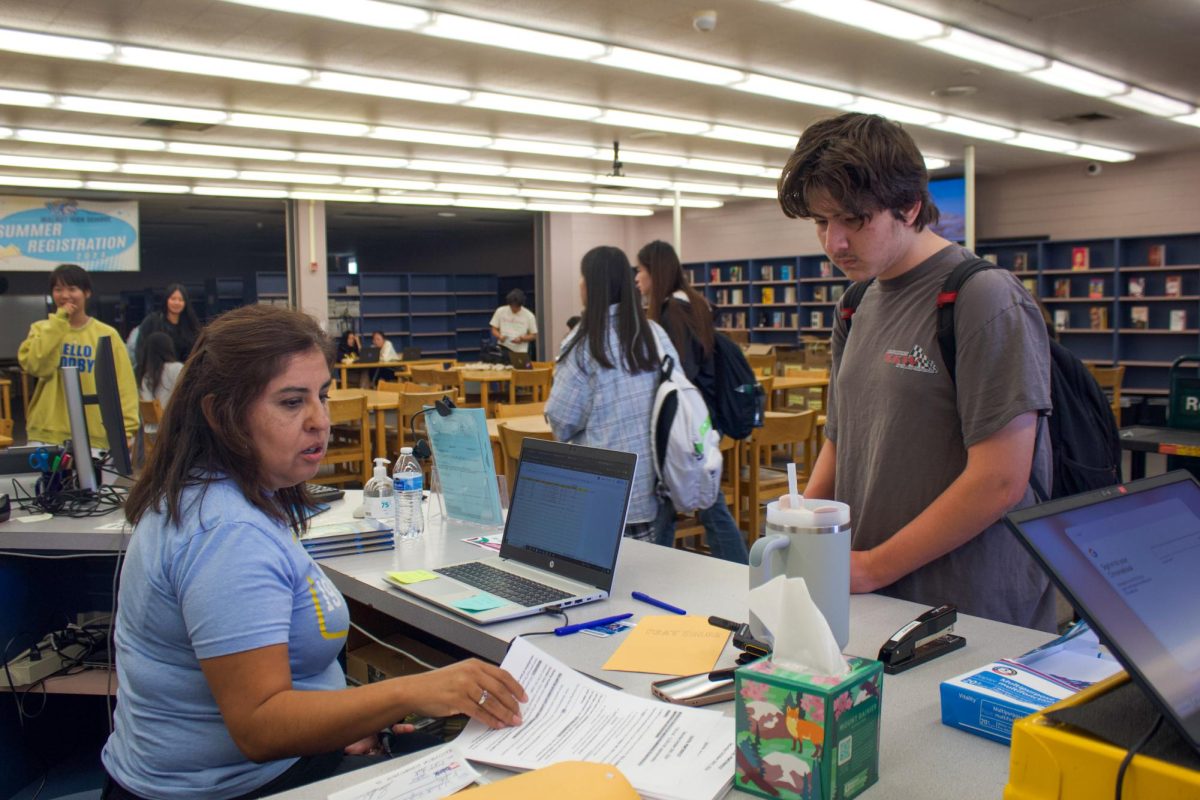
(444, 408)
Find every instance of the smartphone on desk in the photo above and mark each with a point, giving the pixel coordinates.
(693, 690)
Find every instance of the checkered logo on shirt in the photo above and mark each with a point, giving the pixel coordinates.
(914, 360)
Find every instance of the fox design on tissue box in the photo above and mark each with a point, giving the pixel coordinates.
(807, 737)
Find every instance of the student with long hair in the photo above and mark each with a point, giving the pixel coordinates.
(227, 632)
(176, 318)
(685, 315)
(607, 375)
(158, 371)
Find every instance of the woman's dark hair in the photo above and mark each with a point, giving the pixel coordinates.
(864, 164)
(205, 426)
(572, 322)
(666, 278)
(608, 279)
(70, 275)
(189, 323)
(515, 298)
(158, 351)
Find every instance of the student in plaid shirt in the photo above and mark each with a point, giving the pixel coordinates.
(607, 375)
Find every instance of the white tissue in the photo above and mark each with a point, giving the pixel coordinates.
(803, 640)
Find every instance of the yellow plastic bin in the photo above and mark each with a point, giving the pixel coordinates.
(1057, 762)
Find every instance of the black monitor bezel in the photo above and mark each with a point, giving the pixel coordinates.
(1015, 519)
(112, 414)
(625, 463)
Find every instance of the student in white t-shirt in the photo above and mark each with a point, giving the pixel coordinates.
(514, 325)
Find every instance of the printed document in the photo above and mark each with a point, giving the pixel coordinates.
(666, 751)
(430, 777)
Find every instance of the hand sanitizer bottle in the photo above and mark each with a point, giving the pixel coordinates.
(378, 494)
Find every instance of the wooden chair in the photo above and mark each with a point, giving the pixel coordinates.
(763, 365)
(152, 412)
(349, 449)
(519, 409)
(542, 365)
(412, 403)
(759, 483)
(537, 381)
(1110, 379)
(510, 449)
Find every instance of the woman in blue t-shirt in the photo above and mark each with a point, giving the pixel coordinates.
(227, 632)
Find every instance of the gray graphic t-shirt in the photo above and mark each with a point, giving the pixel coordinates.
(902, 430)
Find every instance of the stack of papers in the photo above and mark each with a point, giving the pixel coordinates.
(347, 538)
(668, 752)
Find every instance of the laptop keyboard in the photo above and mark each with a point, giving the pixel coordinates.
(513, 588)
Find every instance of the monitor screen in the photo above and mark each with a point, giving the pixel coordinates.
(950, 196)
(108, 397)
(1127, 558)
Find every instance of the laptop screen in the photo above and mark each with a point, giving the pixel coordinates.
(567, 513)
(1128, 557)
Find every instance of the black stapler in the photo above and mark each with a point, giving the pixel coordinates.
(924, 639)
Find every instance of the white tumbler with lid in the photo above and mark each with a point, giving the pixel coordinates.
(810, 541)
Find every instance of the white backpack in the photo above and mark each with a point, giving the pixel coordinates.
(685, 446)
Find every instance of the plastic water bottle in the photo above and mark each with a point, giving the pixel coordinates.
(408, 483)
(378, 494)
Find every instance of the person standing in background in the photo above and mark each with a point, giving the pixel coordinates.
(514, 325)
(176, 318)
(158, 372)
(685, 315)
(606, 378)
(69, 338)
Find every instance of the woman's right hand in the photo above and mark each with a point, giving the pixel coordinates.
(457, 689)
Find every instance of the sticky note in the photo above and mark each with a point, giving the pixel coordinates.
(412, 576)
(670, 645)
(480, 602)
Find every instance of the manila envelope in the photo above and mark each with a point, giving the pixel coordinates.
(670, 645)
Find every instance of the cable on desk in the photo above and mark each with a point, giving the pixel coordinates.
(73, 502)
(552, 612)
(390, 646)
(1133, 751)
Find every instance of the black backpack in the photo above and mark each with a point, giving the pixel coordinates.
(733, 394)
(1084, 440)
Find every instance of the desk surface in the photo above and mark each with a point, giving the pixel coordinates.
(920, 756)
(1159, 440)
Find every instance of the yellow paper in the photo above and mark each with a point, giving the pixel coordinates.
(412, 576)
(575, 779)
(670, 645)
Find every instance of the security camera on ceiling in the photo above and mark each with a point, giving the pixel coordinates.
(1094, 168)
(704, 21)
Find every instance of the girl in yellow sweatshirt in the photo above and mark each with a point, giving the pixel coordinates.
(69, 338)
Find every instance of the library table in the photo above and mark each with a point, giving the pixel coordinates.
(919, 757)
(1141, 439)
(344, 367)
(378, 403)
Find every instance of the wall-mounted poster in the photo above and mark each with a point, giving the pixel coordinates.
(37, 234)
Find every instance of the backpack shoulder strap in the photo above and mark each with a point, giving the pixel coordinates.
(850, 300)
(945, 309)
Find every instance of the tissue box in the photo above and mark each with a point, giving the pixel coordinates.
(809, 737)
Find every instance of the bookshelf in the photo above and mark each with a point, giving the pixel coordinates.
(444, 315)
(1085, 284)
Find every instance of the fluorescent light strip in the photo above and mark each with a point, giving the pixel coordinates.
(387, 87)
(1151, 103)
(242, 69)
(87, 140)
(123, 186)
(47, 183)
(513, 37)
(272, 122)
(1081, 81)
(168, 171)
(238, 191)
(124, 108)
(669, 66)
(39, 162)
(984, 50)
(362, 12)
(873, 17)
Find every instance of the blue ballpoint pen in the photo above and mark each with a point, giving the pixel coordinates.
(595, 623)
(645, 598)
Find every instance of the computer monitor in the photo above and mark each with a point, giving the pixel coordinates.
(108, 397)
(81, 444)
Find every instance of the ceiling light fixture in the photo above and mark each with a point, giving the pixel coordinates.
(168, 171)
(77, 165)
(88, 140)
(125, 108)
(215, 66)
(993, 53)
(289, 177)
(47, 183)
(512, 37)
(669, 66)
(229, 151)
(150, 188)
(387, 87)
(1080, 81)
(873, 17)
(238, 191)
(363, 12)
(271, 122)
(1151, 103)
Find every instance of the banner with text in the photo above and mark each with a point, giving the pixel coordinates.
(37, 234)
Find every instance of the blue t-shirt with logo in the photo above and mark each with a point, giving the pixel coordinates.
(228, 579)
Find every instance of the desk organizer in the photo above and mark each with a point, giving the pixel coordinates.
(807, 737)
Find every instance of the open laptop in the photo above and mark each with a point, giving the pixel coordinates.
(369, 354)
(1128, 557)
(519, 360)
(564, 527)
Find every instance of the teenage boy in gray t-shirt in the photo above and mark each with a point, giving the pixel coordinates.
(927, 465)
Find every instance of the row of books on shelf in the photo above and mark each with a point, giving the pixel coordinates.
(732, 275)
(770, 295)
(1172, 287)
(779, 319)
(1081, 257)
(724, 297)
(782, 272)
(1139, 318)
(828, 294)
